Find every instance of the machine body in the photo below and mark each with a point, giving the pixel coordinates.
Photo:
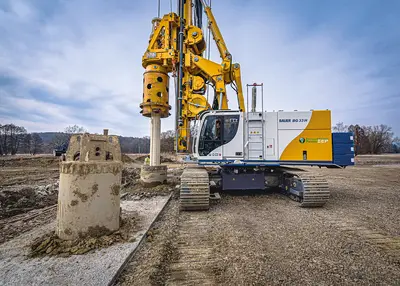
(232, 149)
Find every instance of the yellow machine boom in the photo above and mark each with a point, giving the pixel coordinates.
(176, 46)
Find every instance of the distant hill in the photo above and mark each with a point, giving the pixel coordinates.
(128, 144)
(48, 137)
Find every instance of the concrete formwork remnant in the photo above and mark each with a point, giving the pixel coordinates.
(153, 175)
(90, 181)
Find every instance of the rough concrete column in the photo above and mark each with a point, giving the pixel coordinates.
(88, 199)
(155, 132)
(90, 182)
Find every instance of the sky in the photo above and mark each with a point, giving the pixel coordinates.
(66, 62)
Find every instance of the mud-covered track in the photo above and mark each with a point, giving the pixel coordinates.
(316, 190)
(195, 189)
(194, 249)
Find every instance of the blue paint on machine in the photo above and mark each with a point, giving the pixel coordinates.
(343, 148)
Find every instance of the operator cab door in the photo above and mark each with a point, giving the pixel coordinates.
(210, 140)
(218, 135)
(232, 147)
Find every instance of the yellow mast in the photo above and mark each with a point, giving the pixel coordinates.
(176, 45)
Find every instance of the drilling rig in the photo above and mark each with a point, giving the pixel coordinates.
(248, 149)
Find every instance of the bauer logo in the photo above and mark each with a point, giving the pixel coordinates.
(293, 120)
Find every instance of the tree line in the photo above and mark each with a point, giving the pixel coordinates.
(142, 144)
(371, 139)
(16, 140)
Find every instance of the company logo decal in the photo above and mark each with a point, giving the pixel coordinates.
(293, 120)
(313, 140)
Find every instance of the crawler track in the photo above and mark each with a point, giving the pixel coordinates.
(315, 190)
(195, 189)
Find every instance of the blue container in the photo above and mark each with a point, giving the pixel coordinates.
(343, 148)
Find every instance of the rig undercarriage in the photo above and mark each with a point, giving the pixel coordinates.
(308, 189)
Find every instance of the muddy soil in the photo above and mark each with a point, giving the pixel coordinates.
(134, 190)
(28, 187)
(126, 159)
(22, 198)
(40, 161)
(16, 225)
(131, 182)
(160, 251)
(266, 239)
(130, 175)
(139, 192)
(28, 170)
(165, 158)
(49, 244)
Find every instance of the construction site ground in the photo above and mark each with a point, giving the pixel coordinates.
(99, 267)
(251, 238)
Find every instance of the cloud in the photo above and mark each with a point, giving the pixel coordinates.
(79, 62)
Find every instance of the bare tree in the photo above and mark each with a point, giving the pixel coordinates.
(17, 134)
(361, 140)
(1, 142)
(26, 144)
(11, 137)
(380, 138)
(36, 144)
(74, 129)
(62, 138)
(135, 144)
(3, 139)
(167, 140)
(340, 127)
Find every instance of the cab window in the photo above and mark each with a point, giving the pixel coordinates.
(216, 131)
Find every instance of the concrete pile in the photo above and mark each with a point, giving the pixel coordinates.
(90, 182)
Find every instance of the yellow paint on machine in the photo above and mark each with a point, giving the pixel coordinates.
(314, 143)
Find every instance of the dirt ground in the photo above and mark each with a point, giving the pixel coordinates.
(29, 189)
(16, 170)
(266, 239)
(252, 238)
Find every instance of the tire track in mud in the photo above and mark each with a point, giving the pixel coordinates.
(353, 225)
(195, 251)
